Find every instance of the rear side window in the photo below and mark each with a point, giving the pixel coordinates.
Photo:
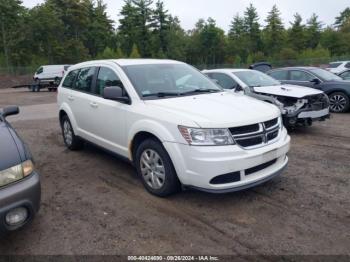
(68, 81)
(106, 77)
(84, 79)
(66, 67)
(279, 75)
(300, 76)
(224, 81)
(347, 65)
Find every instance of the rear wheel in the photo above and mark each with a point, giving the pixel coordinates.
(155, 168)
(70, 139)
(339, 102)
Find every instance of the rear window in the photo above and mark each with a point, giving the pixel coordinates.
(334, 65)
(68, 81)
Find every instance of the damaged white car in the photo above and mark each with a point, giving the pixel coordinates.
(300, 106)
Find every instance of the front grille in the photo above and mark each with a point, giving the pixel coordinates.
(259, 167)
(256, 135)
(271, 123)
(244, 129)
(250, 141)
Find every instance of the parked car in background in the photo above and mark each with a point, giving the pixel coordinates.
(334, 86)
(175, 125)
(345, 74)
(338, 67)
(299, 105)
(19, 183)
(50, 73)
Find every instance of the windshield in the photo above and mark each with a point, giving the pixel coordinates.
(254, 78)
(325, 75)
(334, 65)
(165, 80)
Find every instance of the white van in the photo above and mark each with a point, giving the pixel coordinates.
(50, 73)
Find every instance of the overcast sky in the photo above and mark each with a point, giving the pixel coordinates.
(189, 11)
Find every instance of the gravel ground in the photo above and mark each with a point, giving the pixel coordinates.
(93, 203)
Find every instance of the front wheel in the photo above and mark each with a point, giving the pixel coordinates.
(339, 102)
(155, 168)
(70, 139)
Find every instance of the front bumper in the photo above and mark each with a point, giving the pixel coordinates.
(197, 166)
(25, 193)
(314, 114)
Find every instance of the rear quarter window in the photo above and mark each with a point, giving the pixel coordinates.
(70, 78)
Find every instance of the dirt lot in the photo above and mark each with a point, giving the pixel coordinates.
(93, 203)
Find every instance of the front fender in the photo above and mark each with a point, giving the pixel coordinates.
(157, 129)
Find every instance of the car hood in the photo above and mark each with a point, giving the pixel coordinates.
(9, 154)
(219, 110)
(288, 90)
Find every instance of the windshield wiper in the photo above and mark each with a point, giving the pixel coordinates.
(162, 94)
(199, 90)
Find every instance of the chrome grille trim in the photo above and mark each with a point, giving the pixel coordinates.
(265, 131)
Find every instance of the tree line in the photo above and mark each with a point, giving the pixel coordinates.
(70, 31)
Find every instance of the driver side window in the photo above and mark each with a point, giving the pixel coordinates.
(224, 81)
(106, 77)
(300, 76)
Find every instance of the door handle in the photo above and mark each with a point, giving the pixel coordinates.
(93, 104)
(70, 98)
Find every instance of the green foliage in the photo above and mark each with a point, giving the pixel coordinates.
(135, 52)
(109, 53)
(71, 31)
(273, 32)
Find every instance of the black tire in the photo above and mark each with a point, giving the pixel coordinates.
(171, 183)
(72, 142)
(339, 102)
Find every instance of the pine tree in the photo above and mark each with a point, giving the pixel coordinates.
(160, 25)
(313, 31)
(252, 29)
(273, 31)
(143, 19)
(127, 31)
(296, 34)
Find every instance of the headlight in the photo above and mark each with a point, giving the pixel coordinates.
(16, 173)
(207, 137)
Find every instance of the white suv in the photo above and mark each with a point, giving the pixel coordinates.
(174, 124)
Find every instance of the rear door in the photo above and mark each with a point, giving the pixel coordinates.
(79, 100)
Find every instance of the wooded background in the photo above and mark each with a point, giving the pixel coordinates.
(71, 31)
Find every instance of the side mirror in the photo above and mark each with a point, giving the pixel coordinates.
(115, 93)
(316, 81)
(10, 111)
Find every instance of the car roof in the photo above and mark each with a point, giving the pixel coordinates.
(127, 62)
(226, 70)
(295, 67)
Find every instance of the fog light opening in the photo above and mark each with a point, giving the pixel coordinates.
(16, 216)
